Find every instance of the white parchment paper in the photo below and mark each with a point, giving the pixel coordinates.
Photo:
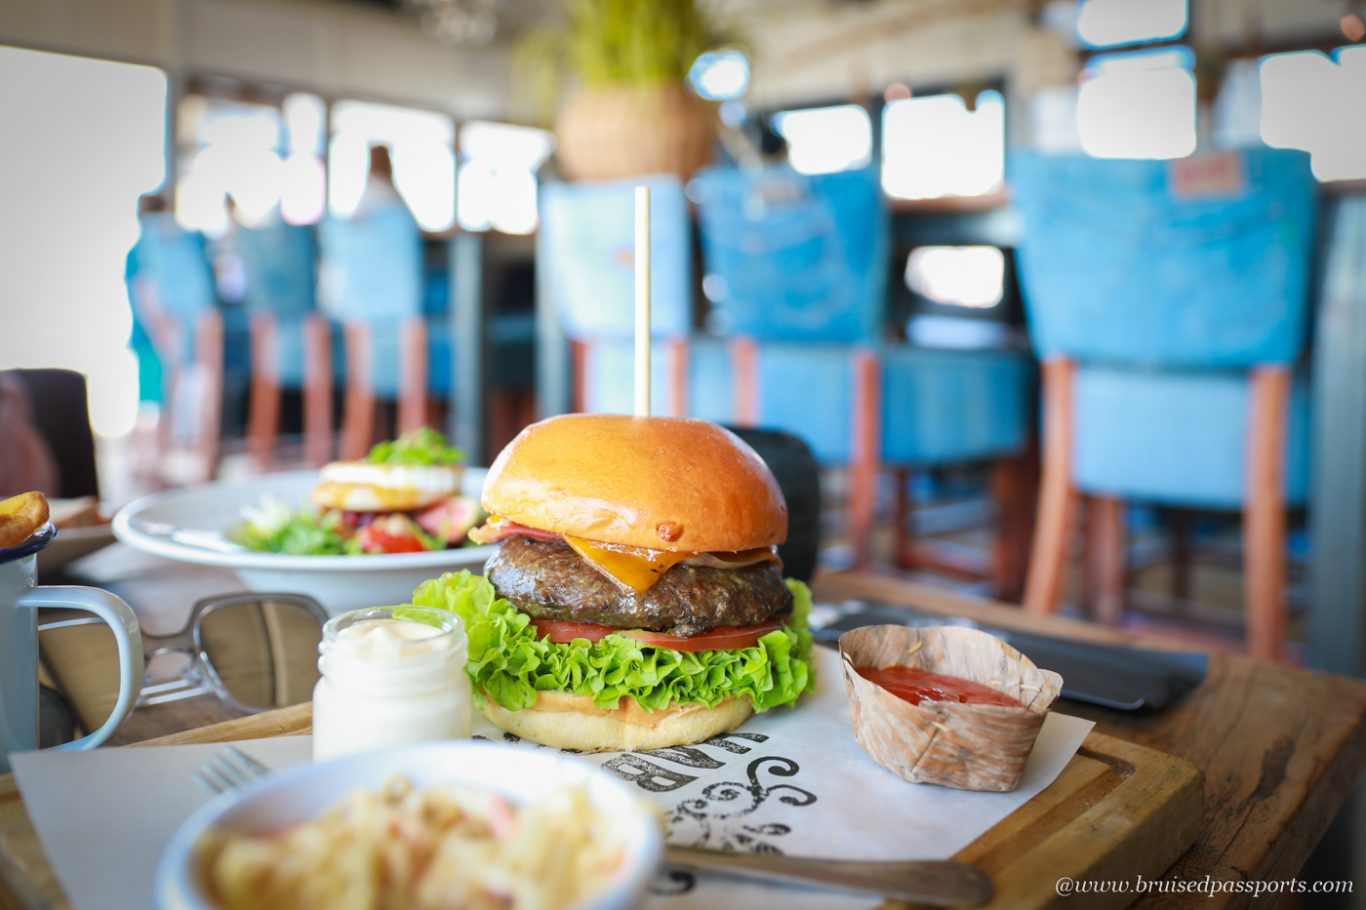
(792, 781)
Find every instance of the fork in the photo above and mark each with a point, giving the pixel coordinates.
(935, 882)
(229, 769)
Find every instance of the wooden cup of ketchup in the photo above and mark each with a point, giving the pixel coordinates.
(945, 705)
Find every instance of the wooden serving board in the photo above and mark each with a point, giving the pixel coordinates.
(1117, 811)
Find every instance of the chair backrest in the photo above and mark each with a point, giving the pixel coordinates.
(1195, 262)
(174, 262)
(792, 257)
(587, 238)
(60, 415)
(371, 265)
(281, 263)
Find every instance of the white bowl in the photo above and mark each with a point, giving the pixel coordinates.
(191, 525)
(519, 774)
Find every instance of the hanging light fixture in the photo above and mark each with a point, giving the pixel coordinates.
(458, 21)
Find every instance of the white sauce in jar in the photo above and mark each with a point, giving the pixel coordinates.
(389, 680)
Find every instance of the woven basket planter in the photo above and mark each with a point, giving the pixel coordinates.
(627, 131)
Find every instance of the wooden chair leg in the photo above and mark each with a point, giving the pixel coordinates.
(1013, 487)
(1264, 559)
(1048, 559)
(1105, 558)
(863, 474)
(1179, 543)
(744, 357)
(263, 424)
(317, 390)
(903, 539)
(358, 418)
(579, 352)
(412, 394)
(209, 361)
(676, 352)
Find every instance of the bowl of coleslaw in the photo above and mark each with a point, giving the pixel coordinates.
(449, 824)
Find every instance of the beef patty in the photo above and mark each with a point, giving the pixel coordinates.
(548, 580)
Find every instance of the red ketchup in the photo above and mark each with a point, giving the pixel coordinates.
(916, 685)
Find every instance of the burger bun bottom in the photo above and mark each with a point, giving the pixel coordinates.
(574, 722)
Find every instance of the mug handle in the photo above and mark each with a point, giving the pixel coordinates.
(124, 623)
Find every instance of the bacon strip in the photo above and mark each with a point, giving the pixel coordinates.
(495, 531)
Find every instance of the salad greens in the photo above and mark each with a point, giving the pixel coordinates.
(511, 663)
(273, 527)
(423, 446)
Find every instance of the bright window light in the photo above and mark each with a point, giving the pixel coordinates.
(421, 145)
(1139, 105)
(720, 75)
(1309, 101)
(822, 140)
(85, 138)
(498, 163)
(968, 276)
(233, 153)
(1106, 23)
(934, 146)
(305, 123)
(1053, 120)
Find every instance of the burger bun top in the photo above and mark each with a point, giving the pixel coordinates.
(662, 483)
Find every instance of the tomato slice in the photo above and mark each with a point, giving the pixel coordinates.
(722, 638)
(562, 632)
(373, 540)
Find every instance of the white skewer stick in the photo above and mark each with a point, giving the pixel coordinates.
(642, 301)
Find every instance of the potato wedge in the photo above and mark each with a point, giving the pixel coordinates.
(20, 516)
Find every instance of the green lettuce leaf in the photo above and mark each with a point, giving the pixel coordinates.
(511, 664)
(423, 446)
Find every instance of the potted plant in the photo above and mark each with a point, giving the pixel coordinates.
(628, 109)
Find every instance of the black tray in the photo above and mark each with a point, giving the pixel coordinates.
(1125, 679)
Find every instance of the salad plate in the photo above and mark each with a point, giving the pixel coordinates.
(198, 524)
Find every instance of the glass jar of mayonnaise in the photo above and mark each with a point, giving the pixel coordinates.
(390, 675)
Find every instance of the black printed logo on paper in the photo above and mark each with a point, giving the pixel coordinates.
(713, 820)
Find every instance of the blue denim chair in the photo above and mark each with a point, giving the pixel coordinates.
(793, 257)
(798, 268)
(587, 242)
(172, 289)
(1169, 303)
(372, 283)
(291, 342)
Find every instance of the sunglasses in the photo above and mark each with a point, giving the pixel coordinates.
(254, 651)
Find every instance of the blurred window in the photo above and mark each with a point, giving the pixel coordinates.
(1312, 101)
(720, 75)
(83, 140)
(934, 146)
(227, 149)
(498, 164)
(822, 140)
(1108, 23)
(1053, 120)
(422, 149)
(303, 196)
(1138, 105)
(967, 276)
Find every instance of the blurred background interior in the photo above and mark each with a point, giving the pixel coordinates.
(1067, 297)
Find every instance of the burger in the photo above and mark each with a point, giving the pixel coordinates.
(403, 497)
(636, 600)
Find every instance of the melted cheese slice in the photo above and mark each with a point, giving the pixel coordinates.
(636, 568)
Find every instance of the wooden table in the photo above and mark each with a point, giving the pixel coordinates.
(1281, 748)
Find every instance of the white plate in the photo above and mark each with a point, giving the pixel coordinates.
(191, 524)
(518, 774)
